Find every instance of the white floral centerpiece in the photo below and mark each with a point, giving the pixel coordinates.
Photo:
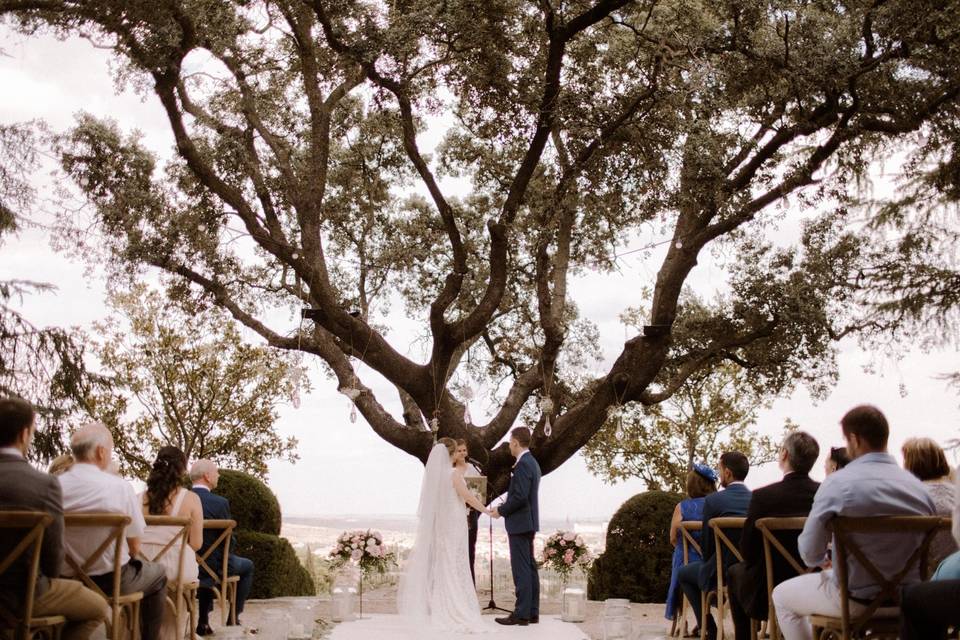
(365, 549)
(565, 552)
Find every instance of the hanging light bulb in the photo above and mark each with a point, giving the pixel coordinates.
(295, 400)
(435, 424)
(353, 413)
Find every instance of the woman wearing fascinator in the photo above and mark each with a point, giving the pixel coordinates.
(701, 482)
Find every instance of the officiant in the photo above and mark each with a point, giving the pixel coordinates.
(471, 469)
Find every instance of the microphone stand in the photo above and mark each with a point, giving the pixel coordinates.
(492, 606)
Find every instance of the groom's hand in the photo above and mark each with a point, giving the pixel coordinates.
(495, 513)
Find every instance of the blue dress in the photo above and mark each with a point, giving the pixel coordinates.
(690, 509)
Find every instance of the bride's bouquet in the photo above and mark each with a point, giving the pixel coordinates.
(565, 551)
(365, 548)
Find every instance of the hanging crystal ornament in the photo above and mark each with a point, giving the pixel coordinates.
(435, 424)
(467, 397)
(353, 393)
(297, 380)
(546, 407)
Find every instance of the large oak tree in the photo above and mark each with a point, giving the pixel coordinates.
(300, 180)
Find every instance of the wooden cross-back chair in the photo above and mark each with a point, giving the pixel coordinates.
(122, 606)
(769, 528)
(720, 526)
(26, 528)
(687, 529)
(181, 597)
(880, 614)
(224, 585)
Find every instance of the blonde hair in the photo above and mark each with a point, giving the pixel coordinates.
(61, 464)
(450, 444)
(925, 459)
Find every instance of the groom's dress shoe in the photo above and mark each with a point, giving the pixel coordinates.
(535, 620)
(510, 620)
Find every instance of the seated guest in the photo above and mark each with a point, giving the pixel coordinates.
(701, 482)
(60, 464)
(836, 460)
(23, 488)
(87, 488)
(701, 577)
(872, 484)
(925, 459)
(204, 475)
(929, 609)
(792, 496)
(166, 497)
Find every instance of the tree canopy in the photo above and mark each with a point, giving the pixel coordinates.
(301, 180)
(710, 414)
(44, 365)
(193, 383)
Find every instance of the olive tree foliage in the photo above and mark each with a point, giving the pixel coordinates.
(300, 179)
(190, 381)
(715, 410)
(44, 365)
(659, 444)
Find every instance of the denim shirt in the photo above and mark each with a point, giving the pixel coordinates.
(871, 485)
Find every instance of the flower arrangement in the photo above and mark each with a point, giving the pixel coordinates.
(565, 551)
(365, 548)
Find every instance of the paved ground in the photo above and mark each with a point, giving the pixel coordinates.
(270, 617)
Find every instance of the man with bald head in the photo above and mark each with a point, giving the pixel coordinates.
(88, 487)
(204, 475)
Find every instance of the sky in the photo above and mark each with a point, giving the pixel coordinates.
(344, 468)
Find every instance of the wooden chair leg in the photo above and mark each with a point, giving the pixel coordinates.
(232, 588)
(704, 612)
(190, 599)
(721, 606)
(773, 628)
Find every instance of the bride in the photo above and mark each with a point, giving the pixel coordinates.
(436, 589)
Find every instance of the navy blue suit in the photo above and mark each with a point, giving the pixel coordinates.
(218, 508)
(521, 514)
(701, 576)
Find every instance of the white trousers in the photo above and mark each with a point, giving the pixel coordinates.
(810, 594)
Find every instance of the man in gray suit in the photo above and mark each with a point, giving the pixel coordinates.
(23, 488)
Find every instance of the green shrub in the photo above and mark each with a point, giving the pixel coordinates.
(277, 571)
(636, 562)
(252, 504)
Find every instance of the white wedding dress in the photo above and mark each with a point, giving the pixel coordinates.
(436, 591)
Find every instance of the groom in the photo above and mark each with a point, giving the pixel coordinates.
(521, 514)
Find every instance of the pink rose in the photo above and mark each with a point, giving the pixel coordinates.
(569, 537)
(356, 555)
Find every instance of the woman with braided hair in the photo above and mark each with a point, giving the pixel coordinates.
(166, 496)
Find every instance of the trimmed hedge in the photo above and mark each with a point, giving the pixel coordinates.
(638, 556)
(252, 504)
(277, 571)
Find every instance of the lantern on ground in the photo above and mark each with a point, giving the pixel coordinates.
(574, 606)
